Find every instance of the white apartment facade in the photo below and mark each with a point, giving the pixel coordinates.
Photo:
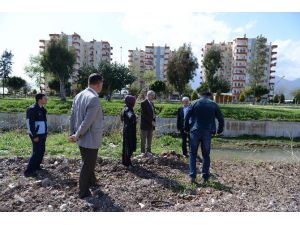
(153, 58)
(90, 53)
(236, 63)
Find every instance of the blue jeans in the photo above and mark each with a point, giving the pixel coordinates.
(197, 137)
(38, 151)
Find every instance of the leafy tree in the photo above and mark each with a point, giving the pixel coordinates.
(194, 95)
(55, 86)
(35, 70)
(58, 61)
(242, 97)
(259, 91)
(181, 68)
(148, 77)
(83, 76)
(202, 87)
(5, 66)
(158, 86)
(296, 95)
(282, 98)
(276, 99)
(26, 89)
(16, 83)
(116, 77)
(212, 62)
(133, 90)
(256, 66)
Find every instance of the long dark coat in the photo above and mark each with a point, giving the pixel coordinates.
(129, 132)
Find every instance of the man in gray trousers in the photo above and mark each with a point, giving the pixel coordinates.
(86, 124)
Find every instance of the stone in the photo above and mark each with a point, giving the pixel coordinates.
(142, 205)
(19, 198)
(63, 207)
(46, 182)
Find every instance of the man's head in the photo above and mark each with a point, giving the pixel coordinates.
(185, 101)
(96, 82)
(206, 93)
(150, 95)
(41, 99)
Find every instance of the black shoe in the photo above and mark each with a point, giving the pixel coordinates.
(185, 155)
(88, 194)
(30, 174)
(193, 180)
(205, 178)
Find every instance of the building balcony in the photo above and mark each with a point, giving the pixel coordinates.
(54, 35)
(76, 43)
(43, 41)
(273, 59)
(274, 46)
(272, 77)
(242, 53)
(105, 49)
(238, 80)
(242, 46)
(243, 67)
(272, 71)
(243, 60)
(273, 53)
(239, 73)
(271, 83)
(42, 46)
(273, 64)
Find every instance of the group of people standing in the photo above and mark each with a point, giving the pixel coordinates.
(196, 123)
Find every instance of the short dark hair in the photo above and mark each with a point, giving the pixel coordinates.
(206, 93)
(39, 96)
(95, 78)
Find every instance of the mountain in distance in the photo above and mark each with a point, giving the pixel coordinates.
(284, 86)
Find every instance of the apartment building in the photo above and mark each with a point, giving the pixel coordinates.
(153, 58)
(236, 57)
(226, 56)
(90, 53)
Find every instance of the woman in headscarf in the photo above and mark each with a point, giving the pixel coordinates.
(129, 130)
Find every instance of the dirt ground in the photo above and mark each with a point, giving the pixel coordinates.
(156, 183)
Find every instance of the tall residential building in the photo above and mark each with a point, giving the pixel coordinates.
(242, 53)
(154, 58)
(226, 56)
(90, 53)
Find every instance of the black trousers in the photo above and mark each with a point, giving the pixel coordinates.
(87, 174)
(38, 151)
(184, 143)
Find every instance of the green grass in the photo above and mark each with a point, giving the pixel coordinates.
(113, 108)
(17, 143)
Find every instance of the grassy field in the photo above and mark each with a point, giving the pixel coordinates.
(17, 143)
(230, 111)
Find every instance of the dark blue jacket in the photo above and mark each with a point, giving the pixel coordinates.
(36, 120)
(203, 113)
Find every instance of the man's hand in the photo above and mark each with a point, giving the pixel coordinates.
(72, 138)
(36, 139)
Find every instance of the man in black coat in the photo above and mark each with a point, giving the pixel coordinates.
(147, 122)
(36, 122)
(202, 126)
(181, 113)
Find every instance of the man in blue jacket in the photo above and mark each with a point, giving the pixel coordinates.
(202, 126)
(36, 122)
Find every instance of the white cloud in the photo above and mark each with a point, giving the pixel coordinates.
(288, 60)
(174, 29)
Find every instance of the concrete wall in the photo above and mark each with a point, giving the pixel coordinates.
(233, 128)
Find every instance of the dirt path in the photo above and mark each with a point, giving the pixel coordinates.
(156, 183)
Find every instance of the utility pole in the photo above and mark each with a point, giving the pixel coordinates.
(121, 54)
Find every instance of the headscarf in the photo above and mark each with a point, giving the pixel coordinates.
(129, 101)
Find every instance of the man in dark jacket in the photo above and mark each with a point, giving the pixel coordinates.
(36, 122)
(202, 113)
(181, 113)
(147, 121)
